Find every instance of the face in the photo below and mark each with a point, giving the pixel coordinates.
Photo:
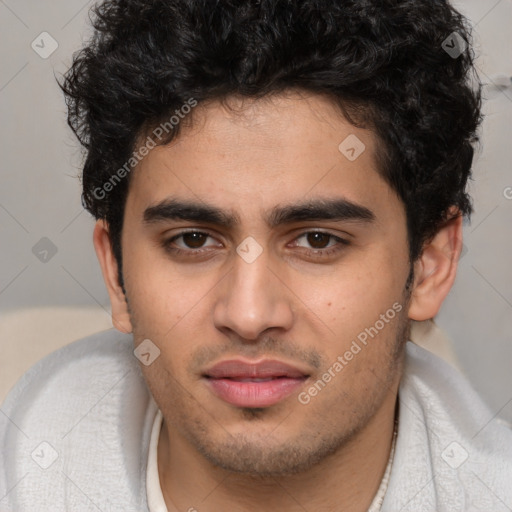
(269, 269)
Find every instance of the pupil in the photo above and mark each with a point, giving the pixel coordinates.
(194, 240)
(316, 240)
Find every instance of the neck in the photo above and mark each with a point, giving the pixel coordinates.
(346, 480)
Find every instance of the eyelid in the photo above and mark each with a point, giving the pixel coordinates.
(339, 244)
(322, 232)
(317, 254)
(183, 232)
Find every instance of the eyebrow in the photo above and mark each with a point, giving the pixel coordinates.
(339, 209)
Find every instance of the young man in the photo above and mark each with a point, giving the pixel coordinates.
(279, 188)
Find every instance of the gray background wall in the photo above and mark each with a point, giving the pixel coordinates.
(40, 191)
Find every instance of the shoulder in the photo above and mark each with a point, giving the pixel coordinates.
(452, 452)
(66, 381)
(444, 393)
(79, 418)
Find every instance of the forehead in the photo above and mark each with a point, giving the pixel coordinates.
(245, 152)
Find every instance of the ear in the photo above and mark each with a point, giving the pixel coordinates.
(436, 268)
(120, 315)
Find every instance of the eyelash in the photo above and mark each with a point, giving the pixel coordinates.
(317, 253)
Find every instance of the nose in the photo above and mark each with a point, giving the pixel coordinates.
(252, 299)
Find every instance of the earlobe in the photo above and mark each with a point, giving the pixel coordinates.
(120, 314)
(436, 269)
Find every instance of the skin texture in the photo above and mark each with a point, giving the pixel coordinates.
(294, 303)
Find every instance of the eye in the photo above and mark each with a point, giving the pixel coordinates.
(192, 239)
(191, 242)
(320, 243)
(314, 244)
(317, 239)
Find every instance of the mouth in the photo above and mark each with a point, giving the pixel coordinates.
(257, 385)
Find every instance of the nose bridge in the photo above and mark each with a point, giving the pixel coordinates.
(251, 280)
(252, 299)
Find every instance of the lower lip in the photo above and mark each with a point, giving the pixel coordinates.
(254, 394)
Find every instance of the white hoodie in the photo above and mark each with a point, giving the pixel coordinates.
(75, 433)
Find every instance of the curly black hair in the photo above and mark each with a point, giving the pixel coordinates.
(386, 63)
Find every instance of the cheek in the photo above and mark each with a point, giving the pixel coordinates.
(358, 312)
(355, 295)
(362, 364)
(161, 296)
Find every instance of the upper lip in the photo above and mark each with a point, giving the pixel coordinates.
(239, 369)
